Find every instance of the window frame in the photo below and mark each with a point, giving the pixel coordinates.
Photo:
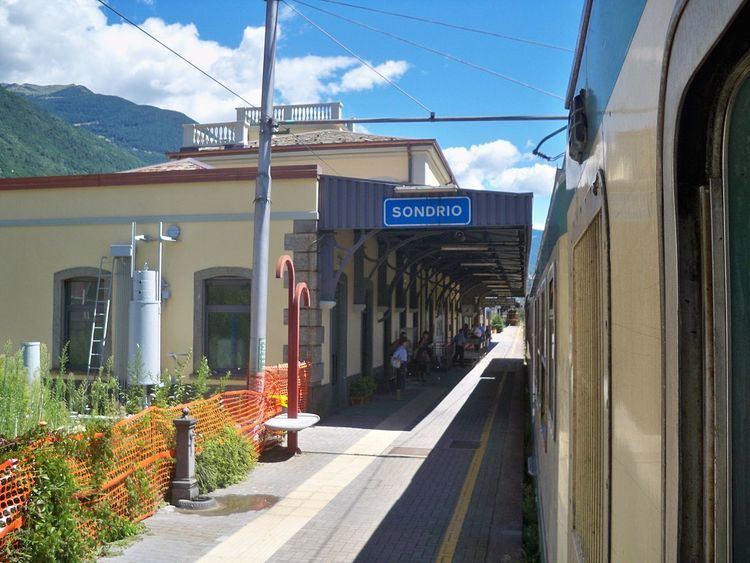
(59, 321)
(201, 280)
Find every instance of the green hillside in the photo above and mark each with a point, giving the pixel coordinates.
(35, 143)
(146, 131)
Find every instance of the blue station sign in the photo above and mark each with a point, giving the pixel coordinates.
(426, 211)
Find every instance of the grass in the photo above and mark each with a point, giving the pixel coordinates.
(65, 403)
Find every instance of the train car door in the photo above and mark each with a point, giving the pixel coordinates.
(737, 227)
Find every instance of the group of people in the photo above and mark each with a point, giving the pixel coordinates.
(423, 355)
(421, 361)
(462, 337)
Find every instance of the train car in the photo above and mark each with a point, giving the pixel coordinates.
(638, 319)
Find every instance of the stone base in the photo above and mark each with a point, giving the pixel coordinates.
(319, 400)
(183, 490)
(198, 503)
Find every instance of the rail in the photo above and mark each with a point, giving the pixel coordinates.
(238, 132)
(214, 134)
(297, 112)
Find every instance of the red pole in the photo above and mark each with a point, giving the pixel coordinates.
(301, 292)
(293, 403)
(297, 292)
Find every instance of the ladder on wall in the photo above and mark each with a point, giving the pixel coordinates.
(100, 323)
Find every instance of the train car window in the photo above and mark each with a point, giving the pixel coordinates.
(551, 357)
(542, 359)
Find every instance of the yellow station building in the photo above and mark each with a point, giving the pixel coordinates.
(62, 237)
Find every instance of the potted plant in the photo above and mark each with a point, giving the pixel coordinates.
(361, 390)
(497, 323)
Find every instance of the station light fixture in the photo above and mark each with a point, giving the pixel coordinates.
(478, 264)
(444, 189)
(464, 248)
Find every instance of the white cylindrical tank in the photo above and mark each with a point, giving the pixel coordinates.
(145, 328)
(32, 359)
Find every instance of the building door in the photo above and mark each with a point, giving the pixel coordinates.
(338, 345)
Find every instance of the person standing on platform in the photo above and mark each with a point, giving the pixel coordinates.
(399, 361)
(459, 341)
(423, 356)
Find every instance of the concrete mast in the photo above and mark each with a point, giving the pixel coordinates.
(262, 214)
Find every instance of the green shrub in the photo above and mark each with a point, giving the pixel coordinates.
(224, 460)
(362, 387)
(530, 533)
(111, 526)
(497, 322)
(51, 532)
(141, 500)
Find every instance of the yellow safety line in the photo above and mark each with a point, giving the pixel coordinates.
(453, 531)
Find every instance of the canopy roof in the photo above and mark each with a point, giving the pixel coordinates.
(487, 255)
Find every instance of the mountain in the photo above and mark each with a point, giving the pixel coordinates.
(146, 131)
(536, 243)
(35, 143)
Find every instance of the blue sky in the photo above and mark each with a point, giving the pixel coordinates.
(83, 45)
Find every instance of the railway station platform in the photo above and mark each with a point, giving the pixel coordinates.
(436, 476)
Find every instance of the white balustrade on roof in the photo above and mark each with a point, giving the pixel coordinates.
(238, 132)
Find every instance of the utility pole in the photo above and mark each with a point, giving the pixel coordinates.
(262, 214)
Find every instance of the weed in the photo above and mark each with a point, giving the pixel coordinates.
(200, 385)
(224, 460)
(141, 500)
(24, 403)
(53, 514)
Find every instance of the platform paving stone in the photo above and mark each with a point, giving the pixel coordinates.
(378, 482)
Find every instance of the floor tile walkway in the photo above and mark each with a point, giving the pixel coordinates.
(434, 477)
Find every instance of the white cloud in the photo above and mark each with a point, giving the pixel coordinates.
(70, 41)
(286, 13)
(318, 71)
(363, 78)
(500, 165)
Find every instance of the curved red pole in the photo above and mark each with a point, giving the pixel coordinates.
(286, 260)
(301, 293)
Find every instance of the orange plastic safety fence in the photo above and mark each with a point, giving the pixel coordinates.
(16, 480)
(142, 447)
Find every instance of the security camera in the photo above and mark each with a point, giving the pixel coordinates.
(459, 235)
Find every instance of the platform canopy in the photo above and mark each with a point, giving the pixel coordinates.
(477, 239)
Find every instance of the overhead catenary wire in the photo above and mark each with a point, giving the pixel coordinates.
(537, 152)
(210, 77)
(432, 50)
(453, 26)
(360, 59)
(431, 119)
